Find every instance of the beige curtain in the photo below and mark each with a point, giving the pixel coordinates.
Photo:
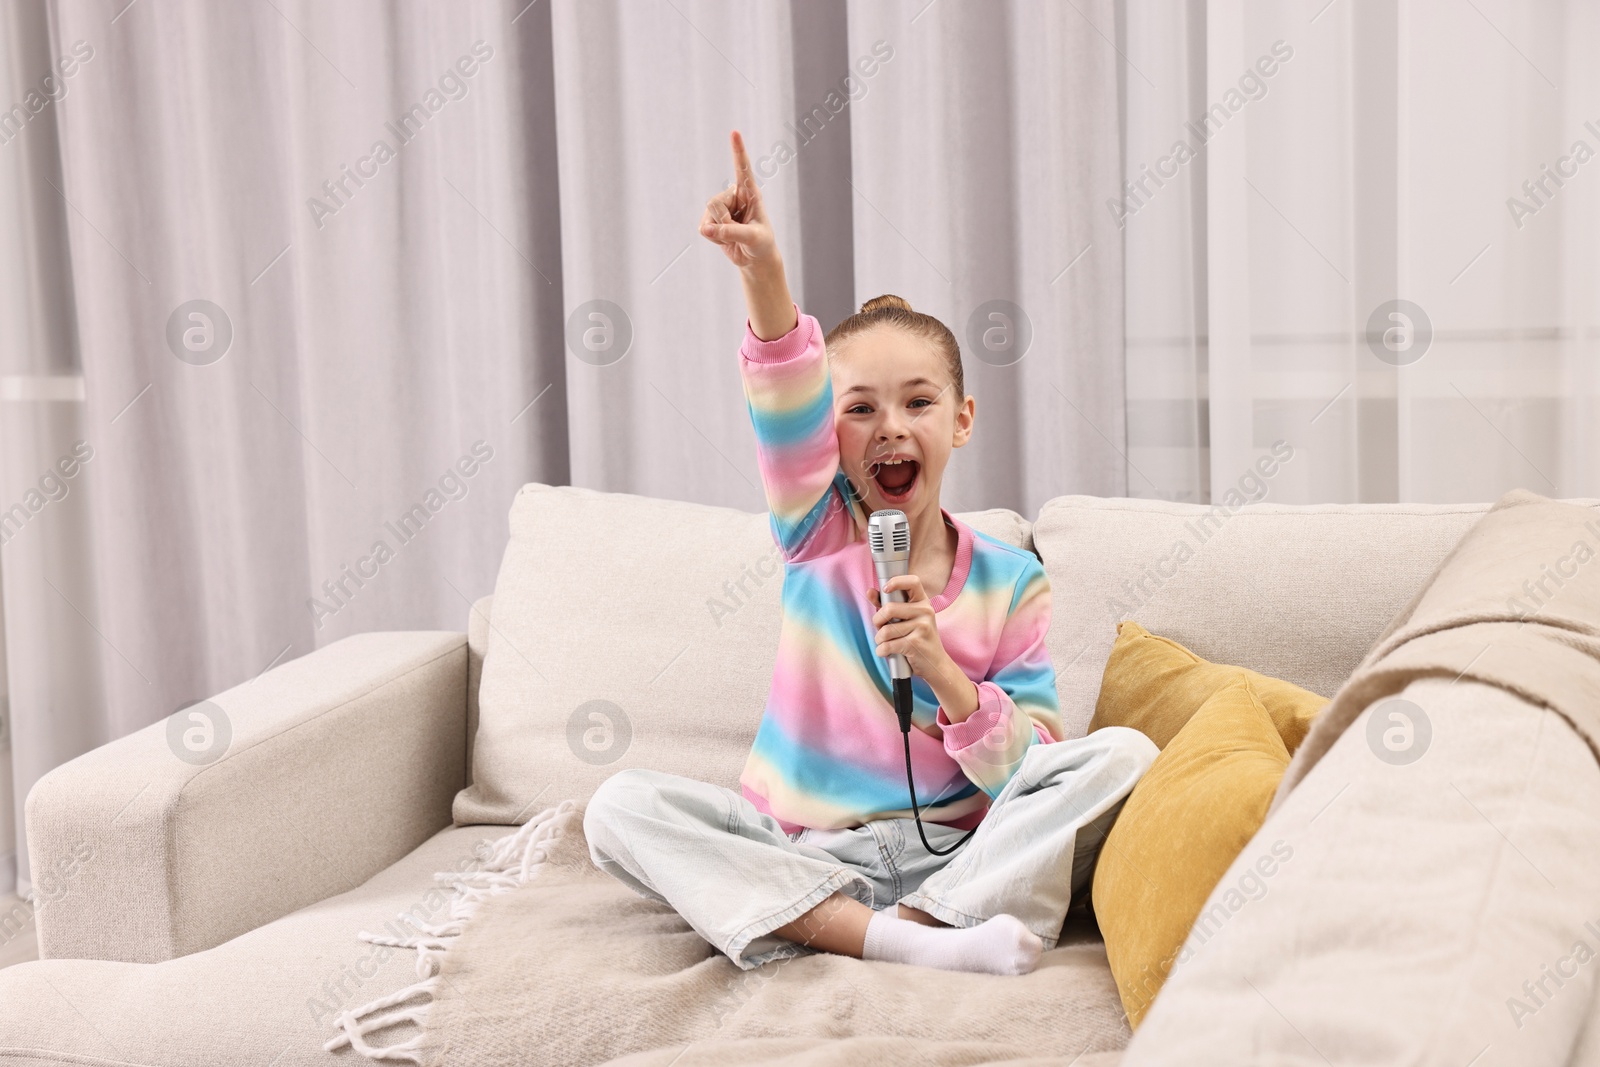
(308, 372)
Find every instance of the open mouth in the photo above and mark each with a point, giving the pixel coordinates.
(896, 479)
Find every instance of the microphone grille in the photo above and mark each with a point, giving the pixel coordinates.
(889, 532)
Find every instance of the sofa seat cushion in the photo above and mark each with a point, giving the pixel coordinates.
(268, 996)
(1297, 592)
(628, 631)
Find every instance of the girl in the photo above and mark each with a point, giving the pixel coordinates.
(820, 841)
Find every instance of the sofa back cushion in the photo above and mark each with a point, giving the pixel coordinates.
(628, 631)
(1297, 592)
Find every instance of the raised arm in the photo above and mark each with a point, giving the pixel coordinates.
(784, 368)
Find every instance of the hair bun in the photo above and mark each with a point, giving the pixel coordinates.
(887, 300)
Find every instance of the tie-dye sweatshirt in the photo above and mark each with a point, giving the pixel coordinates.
(829, 753)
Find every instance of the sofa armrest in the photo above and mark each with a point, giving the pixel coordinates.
(339, 763)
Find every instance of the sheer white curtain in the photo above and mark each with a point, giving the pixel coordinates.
(1376, 163)
(390, 309)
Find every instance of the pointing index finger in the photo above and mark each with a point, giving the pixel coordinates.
(741, 159)
(743, 174)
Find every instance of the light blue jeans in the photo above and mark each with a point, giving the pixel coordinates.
(735, 876)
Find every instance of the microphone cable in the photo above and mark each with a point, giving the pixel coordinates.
(902, 709)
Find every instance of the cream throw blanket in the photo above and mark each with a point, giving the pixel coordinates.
(1516, 604)
(1424, 912)
(562, 964)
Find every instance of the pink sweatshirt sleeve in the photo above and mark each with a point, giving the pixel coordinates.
(1018, 706)
(790, 398)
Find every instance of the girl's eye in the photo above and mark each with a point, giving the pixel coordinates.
(862, 409)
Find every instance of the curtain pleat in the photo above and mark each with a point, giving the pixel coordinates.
(981, 153)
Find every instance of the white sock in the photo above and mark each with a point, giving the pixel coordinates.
(1001, 945)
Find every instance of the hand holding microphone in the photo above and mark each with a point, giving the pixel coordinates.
(908, 635)
(889, 539)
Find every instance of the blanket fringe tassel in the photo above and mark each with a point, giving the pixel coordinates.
(511, 861)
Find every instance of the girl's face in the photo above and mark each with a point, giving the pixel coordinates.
(893, 401)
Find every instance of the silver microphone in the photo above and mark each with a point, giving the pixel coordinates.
(889, 537)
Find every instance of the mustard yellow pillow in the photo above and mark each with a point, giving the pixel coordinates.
(1189, 817)
(1154, 685)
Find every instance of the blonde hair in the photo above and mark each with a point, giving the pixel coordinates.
(894, 311)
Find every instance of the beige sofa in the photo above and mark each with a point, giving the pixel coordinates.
(207, 912)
